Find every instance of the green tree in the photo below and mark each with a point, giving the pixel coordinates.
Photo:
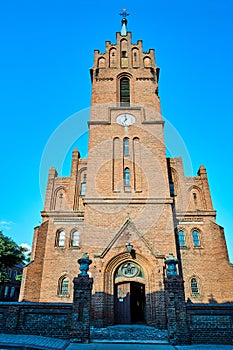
(10, 255)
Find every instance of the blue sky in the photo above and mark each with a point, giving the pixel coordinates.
(46, 50)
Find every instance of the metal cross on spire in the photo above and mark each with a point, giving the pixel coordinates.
(124, 14)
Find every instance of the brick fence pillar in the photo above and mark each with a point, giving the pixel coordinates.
(11, 319)
(175, 304)
(81, 310)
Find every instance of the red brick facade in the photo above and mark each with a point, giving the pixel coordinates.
(127, 191)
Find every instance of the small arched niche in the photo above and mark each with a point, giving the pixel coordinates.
(196, 200)
(59, 202)
(113, 57)
(124, 53)
(147, 61)
(101, 62)
(135, 57)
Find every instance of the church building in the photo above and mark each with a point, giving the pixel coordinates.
(127, 205)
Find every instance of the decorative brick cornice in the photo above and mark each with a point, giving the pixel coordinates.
(144, 79)
(161, 122)
(128, 200)
(196, 215)
(104, 79)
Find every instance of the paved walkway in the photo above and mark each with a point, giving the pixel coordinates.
(145, 347)
(129, 334)
(120, 346)
(32, 342)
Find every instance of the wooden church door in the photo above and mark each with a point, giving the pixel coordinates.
(122, 303)
(129, 302)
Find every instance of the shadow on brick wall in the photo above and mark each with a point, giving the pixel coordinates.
(108, 309)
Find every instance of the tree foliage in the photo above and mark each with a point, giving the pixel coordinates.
(10, 254)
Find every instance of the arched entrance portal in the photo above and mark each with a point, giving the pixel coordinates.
(129, 294)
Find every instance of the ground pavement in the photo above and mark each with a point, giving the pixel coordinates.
(121, 337)
(30, 342)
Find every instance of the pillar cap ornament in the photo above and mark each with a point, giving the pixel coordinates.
(84, 263)
(171, 269)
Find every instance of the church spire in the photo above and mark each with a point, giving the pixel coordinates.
(124, 21)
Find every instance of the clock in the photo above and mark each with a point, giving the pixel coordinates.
(125, 119)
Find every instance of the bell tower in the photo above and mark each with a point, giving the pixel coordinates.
(127, 201)
(125, 75)
(126, 127)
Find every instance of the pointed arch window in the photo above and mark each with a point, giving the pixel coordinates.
(125, 92)
(60, 239)
(196, 238)
(126, 146)
(63, 286)
(181, 238)
(126, 177)
(194, 287)
(75, 239)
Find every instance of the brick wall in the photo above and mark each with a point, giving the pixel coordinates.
(207, 323)
(210, 323)
(58, 320)
(45, 319)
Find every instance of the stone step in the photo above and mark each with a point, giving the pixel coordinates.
(129, 334)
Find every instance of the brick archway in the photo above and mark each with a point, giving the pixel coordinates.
(149, 283)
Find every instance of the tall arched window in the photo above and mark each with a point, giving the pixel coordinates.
(60, 240)
(124, 92)
(194, 286)
(63, 286)
(75, 238)
(172, 190)
(83, 185)
(127, 177)
(196, 238)
(126, 146)
(181, 238)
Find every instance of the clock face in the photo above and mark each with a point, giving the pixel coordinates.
(125, 119)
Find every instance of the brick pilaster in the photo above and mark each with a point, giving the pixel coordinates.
(176, 311)
(81, 310)
(11, 319)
